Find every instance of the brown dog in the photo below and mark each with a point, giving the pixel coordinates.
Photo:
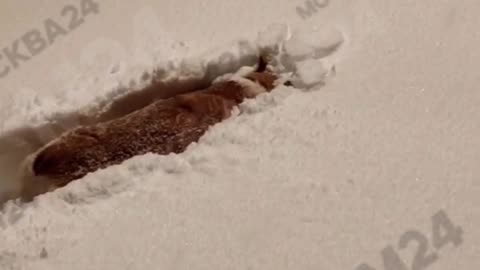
(166, 126)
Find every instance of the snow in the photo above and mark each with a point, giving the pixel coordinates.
(304, 43)
(311, 72)
(377, 135)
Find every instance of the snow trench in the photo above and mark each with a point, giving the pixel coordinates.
(302, 56)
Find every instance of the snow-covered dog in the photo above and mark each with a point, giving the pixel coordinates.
(165, 126)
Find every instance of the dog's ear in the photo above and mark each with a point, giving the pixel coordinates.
(262, 64)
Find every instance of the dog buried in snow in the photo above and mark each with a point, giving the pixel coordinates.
(163, 127)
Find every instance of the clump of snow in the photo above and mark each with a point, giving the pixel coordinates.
(313, 43)
(272, 39)
(312, 72)
(301, 54)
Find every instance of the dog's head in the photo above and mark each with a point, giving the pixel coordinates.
(264, 76)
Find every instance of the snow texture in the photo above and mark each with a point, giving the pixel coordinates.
(377, 134)
(240, 133)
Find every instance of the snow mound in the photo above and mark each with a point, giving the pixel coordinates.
(305, 54)
(313, 43)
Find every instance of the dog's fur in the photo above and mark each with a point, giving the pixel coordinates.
(165, 126)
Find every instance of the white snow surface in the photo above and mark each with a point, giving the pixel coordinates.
(376, 137)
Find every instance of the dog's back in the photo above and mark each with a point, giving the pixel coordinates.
(164, 127)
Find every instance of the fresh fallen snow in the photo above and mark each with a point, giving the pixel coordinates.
(247, 130)
(318, 177)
